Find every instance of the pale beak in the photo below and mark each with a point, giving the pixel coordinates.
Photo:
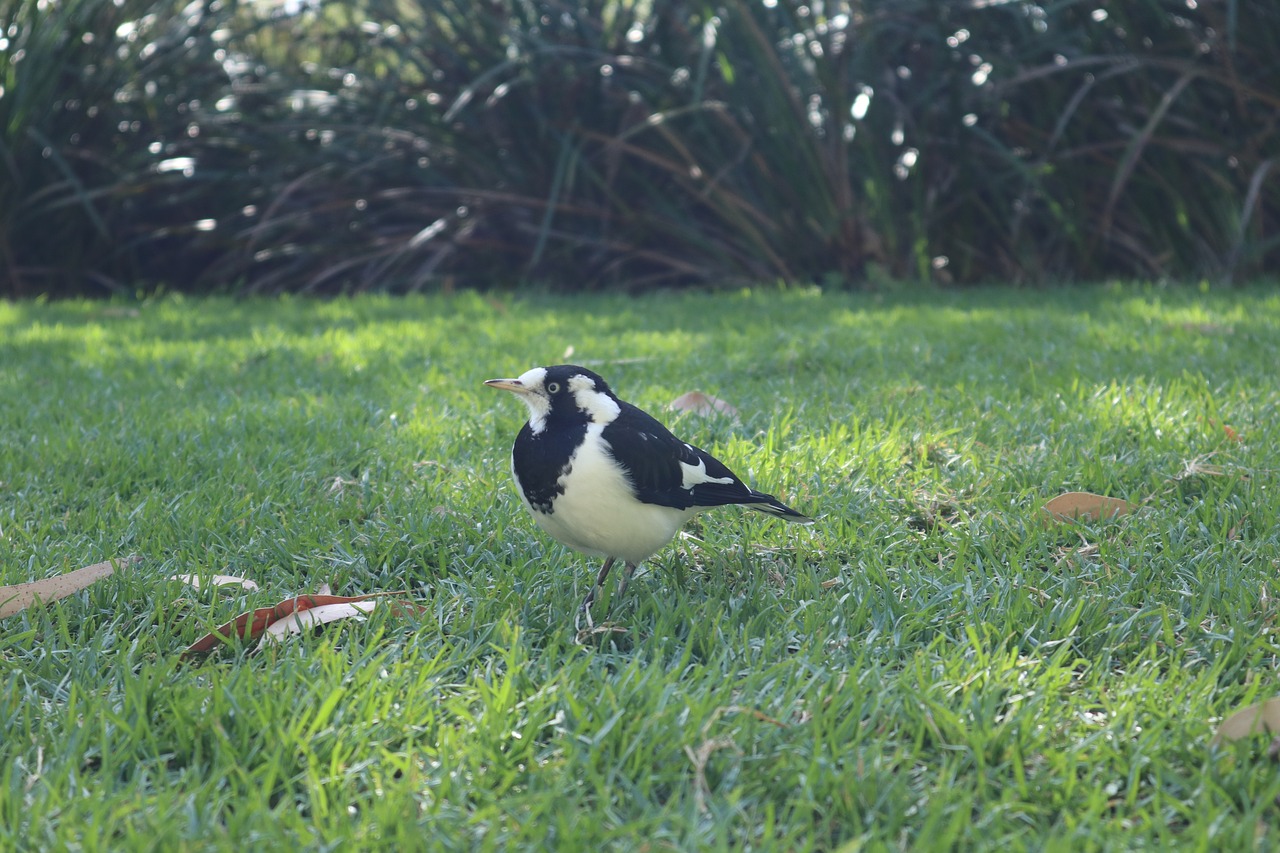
(508, 385)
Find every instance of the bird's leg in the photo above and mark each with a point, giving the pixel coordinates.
(626, 579)
(600, 578)
(591, 596)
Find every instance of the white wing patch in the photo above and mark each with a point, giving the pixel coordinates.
(696, 475)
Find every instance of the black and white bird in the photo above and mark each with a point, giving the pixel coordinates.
(607, 479)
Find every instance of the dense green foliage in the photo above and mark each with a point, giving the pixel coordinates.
(403, 144)
(927, 667)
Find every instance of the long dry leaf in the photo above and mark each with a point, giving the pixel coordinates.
(14, 599)
(304, 620)
(1084, 506)
(252, 624)
(194, 581)
(1262, 717)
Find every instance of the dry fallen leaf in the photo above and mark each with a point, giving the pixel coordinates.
(1199, 468)
(251, 625)
(1262, 717)
(1084, 506)
(701, 404)
(304, 620)
(16, 598)
(194, 581)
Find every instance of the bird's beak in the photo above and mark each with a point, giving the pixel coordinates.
(508, 385)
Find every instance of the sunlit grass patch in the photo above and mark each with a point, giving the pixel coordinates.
(931, 664)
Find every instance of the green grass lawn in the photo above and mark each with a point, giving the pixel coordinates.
(928, 665)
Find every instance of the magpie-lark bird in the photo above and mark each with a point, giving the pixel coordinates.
(607, 479)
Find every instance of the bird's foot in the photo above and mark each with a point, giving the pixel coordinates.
(592, 629)
(591, 597)
(584, 609)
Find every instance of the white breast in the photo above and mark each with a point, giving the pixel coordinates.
(599, 515)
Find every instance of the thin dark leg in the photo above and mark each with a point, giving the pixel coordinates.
(626, 579)
(600, 578)
(591, 596)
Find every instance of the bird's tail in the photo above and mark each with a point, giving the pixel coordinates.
(770, 505)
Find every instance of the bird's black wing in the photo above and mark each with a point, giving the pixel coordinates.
(666, 471)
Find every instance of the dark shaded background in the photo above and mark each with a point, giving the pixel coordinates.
(430, 144)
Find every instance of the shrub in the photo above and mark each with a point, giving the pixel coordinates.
(88, 86)
(402, 144)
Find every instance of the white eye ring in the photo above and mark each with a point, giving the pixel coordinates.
(553, 387)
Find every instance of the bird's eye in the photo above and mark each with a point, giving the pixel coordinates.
(553, 387)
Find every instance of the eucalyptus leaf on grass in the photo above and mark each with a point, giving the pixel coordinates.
(18, 597)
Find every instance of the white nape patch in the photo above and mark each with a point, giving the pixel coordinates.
(696, 475)
(598, 405)
(535, 398)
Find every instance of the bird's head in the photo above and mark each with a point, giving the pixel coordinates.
(563, 391)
